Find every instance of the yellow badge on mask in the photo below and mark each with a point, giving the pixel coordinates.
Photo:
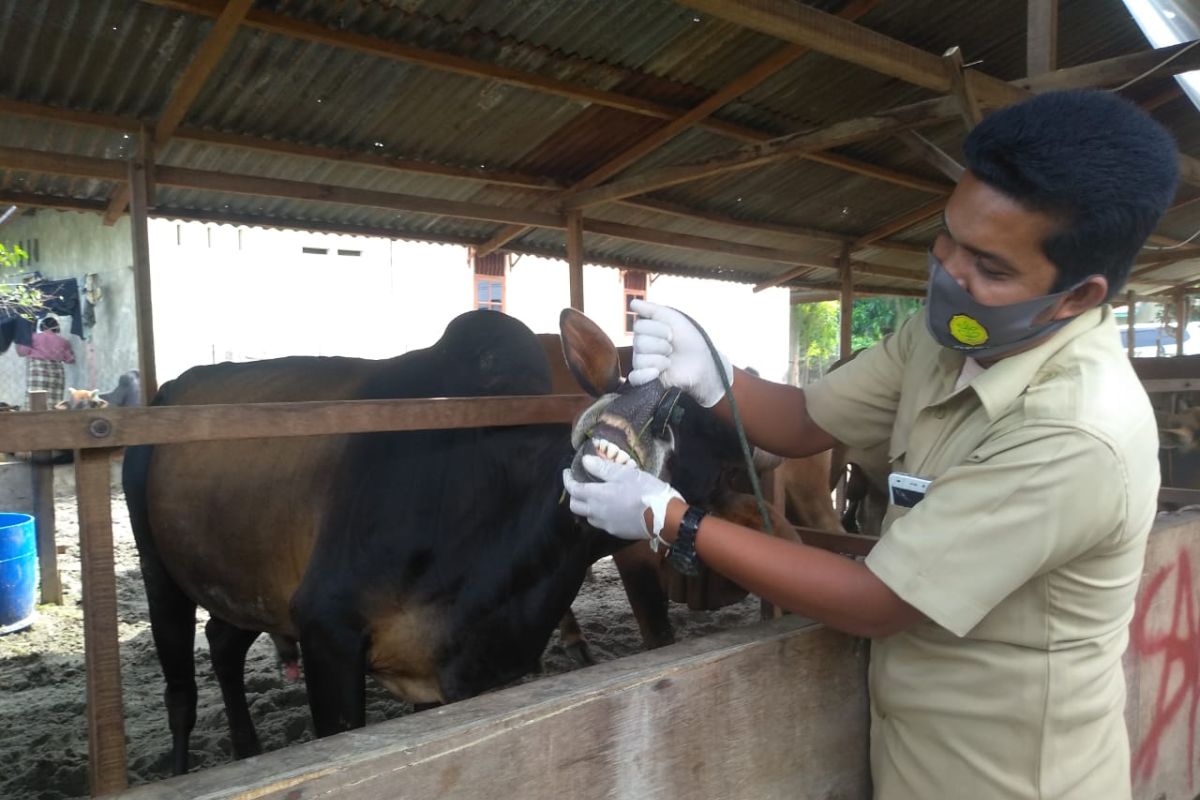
(968, 330)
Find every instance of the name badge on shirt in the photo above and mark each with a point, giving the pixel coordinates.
(906, 490)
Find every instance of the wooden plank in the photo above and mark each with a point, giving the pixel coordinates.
(105, 718)
(43, 513)
(575, 257)
(638, 727)
(122, 427)
(825, 33)
(883, 123)
(688, 241)
(1159, 63)
(143, 299)
(1041, 36)
(1175, 496)
(881, 173)
(846, 306)
(962, 86)
(1158, 663)
(1164, 385)
(930, 153)
(914, 217)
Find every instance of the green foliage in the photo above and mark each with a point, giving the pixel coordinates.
(817, 330)
(19, 298)
(876, 317)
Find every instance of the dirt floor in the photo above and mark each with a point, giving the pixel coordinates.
(43, 741)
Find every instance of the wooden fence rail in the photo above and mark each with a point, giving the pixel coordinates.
(97, 434)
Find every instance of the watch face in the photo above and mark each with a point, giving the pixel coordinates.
(684, 563)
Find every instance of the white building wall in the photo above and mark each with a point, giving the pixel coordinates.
(222, 293)
(71, 245)
(750, 328)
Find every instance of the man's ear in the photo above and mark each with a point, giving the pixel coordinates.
(1088, 294)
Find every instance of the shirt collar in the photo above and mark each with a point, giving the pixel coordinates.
(1003, 382)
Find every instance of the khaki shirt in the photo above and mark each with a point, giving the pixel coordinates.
(1025, 555)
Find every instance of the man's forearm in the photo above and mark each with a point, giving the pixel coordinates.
(815, 583)
(775, 417)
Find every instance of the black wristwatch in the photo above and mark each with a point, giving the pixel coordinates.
(683, 550)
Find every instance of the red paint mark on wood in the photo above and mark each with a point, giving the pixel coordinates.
(1179, 650)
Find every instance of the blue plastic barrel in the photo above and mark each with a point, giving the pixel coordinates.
(18, 571)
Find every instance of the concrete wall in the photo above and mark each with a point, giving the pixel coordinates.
(71, 245)
(226, 293)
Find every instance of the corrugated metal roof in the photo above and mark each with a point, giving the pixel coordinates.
(123, 58)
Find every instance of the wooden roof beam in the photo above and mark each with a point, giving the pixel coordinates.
(932, 154)
(1041, 36)
(825, 33)
(1162, 62)
(883, 123)
(731, 91)
(208, 55)
(204, 180)
(284, 25)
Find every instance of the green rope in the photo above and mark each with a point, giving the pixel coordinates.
(737, 426)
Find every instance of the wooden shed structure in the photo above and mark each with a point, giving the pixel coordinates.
(773, 142)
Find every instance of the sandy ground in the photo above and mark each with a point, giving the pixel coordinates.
(43, 740)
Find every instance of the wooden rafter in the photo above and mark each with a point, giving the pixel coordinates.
(208, 55)
(826, 33)
(288, 26)
(1041, 36)
(884, 123)
(932, 154)
(961, 87)
(648, 144)
(203, 180)
(1161, 62)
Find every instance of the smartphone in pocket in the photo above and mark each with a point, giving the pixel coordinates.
(906, 490)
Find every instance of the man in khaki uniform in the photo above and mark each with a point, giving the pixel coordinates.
(1025, 449)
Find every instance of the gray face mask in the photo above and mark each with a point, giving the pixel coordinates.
(959, 322)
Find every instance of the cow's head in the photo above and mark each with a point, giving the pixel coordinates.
(81, 398)
(643, 424)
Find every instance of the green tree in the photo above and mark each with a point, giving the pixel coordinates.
(816, 339)
(16, 297)
(876, 317)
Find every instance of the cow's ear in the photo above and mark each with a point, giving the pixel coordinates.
(590, 354)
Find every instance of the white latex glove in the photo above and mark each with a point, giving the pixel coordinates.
(668, 346)
(618, 503)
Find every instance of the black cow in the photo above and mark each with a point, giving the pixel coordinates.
(440, 561)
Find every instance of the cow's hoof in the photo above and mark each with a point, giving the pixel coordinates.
(579, 653)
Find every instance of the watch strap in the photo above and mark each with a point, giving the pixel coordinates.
(683, 552)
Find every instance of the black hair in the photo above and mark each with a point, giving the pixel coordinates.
(1089, 159)
(49, 324)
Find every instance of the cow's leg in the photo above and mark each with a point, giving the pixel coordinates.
(334, 655)
(173, 626)
(572, 639)
(639, 571)
(228, 645)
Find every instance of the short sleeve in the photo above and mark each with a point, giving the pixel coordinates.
(1019, 506)
(856, 403)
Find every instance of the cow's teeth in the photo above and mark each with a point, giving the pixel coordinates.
(622, 457)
